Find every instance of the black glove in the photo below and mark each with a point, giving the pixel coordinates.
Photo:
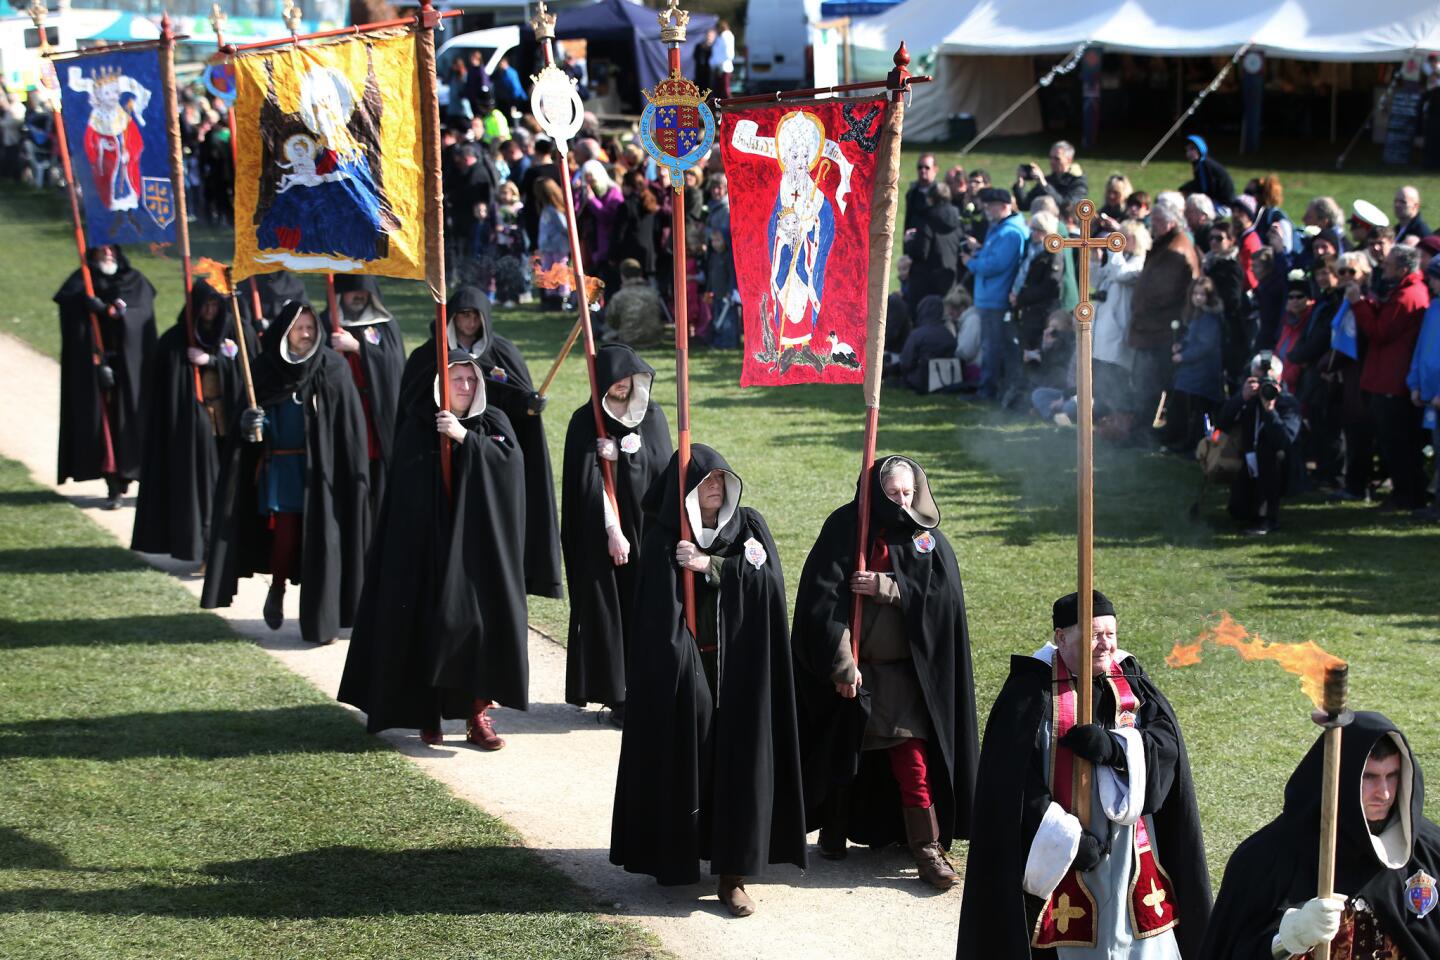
(250, 419)
(99, 306)
(535, 404)
(106, 376)
(1091, 852)
(1100, 296)
(1094, 743)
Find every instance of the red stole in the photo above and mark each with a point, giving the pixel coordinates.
(1068, 917)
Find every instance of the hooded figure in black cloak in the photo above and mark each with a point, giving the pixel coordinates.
(509, 389)
(1132, 883)
(369, 340)
(183, 439)
(602, 551)
(275, 290)
(710, 757)
(894, 760)
(441, 630)
(296, 504)
(1387, 861)
(100, 423)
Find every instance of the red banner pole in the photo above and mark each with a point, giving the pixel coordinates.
(425, 22)
(882, 241)
(97, 347)
(332, 303)
(544, 25)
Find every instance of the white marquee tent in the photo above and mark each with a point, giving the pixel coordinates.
(984, 47)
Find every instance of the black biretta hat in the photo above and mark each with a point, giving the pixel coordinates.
(1066, 611)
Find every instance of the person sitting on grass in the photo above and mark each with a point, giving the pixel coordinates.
(634, 315)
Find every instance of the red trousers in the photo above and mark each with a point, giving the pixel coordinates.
(907, 763)
(285, 533)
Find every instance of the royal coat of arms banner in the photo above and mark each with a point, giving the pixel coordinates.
(801, 176)
(114, 109)
(329, 173)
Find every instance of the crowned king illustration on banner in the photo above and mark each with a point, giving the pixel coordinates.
(329, 171)
(114, 110)
(801, 176)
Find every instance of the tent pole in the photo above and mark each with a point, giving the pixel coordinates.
(1195, 104)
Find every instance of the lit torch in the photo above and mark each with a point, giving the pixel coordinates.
(1325, 680)
(559, 276)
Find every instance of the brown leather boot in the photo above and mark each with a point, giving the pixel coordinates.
(922, 832)
(734, 898)
(480, 729)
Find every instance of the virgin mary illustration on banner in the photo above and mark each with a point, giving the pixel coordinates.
(801, 232)
(322, 199)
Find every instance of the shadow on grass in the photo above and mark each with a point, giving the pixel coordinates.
(192, 734)
(21, 852)
(175, 628)
(327, 883)
(28, 498)
(66, 560)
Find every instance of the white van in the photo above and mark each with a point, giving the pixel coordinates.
(784, 49)
(492, 44)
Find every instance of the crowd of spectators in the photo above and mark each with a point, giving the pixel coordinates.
(1217, 298)
(1310, 351)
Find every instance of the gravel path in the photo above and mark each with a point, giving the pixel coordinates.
(554, 782)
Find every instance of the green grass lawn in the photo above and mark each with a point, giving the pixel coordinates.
(167, 790)
(1359, 583)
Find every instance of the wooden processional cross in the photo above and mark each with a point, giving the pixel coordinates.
(1085, 472)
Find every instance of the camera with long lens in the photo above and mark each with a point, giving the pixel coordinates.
(1269, 389)
(1269, 386)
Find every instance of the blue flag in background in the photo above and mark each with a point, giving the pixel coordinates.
(1343, 336)
(114, 109)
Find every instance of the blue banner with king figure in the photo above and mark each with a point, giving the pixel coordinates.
(114, 109)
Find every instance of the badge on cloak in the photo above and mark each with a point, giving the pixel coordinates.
(372, 336)
(1420, 894)
(924, 542)
(630, 443)
(755, 553)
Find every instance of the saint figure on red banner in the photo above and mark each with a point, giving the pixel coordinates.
(801, 250)
(112, 140)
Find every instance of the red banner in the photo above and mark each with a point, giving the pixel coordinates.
(801, 176)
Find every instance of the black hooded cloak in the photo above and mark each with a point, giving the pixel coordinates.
(932, 599)
(382, 356)
(602, 594)
(509, 389)
(336, 523)
(1011, 795)
(702, 777)
(1276, 868)
(442, 619)
(128, 340)
(275, 289)
(182, 459)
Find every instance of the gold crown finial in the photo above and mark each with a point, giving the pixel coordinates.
(672, 23)
(544, 23)
(217, 17)
(292, 16)
(37, 13)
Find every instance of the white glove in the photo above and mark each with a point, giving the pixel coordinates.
(197, 356)
(1314, 923)
(605, 448)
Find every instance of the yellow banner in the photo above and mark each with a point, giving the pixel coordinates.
(329, 175)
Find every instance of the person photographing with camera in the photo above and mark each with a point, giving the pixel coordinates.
(1066, 182)
(1267, 420)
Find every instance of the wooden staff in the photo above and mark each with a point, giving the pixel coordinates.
(544, 24)
(425, 21)
(177, 179)
(564, 350)
(332, 302)
(37, 13)
(217, 20)
(882, 236)
(1084, 477)
(1332, 717)
(258, 433)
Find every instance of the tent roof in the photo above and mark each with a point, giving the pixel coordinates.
(1308, 30)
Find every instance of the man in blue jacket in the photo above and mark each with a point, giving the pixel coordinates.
(1424, 377)
(994, 266)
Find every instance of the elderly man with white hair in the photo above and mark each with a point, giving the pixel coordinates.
(1159, 301)
(1066, 183)
(1199, 217)
(1410, 227)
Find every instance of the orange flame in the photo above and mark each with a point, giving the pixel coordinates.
(213, 273)
(560, 275)
(1306, 660)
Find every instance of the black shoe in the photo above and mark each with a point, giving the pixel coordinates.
(617, 715)
(275, 608)
(111, 503)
